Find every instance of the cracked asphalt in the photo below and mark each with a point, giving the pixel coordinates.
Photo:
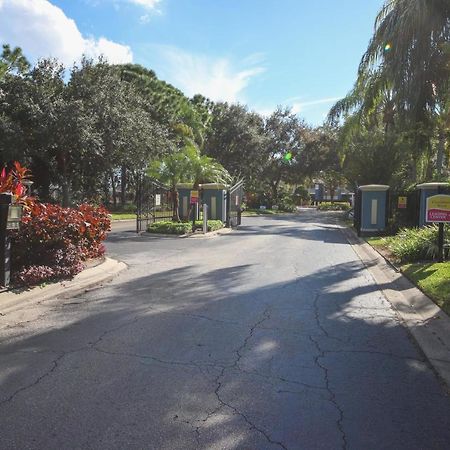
(271, 337)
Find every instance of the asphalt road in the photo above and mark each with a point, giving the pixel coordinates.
(271, 337)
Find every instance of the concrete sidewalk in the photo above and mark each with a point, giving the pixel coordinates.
(92, 277)
(427, 323)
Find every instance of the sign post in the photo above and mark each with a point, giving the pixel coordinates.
(438, 211)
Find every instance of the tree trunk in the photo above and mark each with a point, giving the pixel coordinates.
(106, 198)
(440, 154)
(113, 187)
(65, 184)
(176, 203)
(123, 186)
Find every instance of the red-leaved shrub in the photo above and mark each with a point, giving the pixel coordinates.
(52, 242)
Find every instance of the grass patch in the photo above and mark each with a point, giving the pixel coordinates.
(433, 279)
(122, 216)
(376, 241)
(259, 212)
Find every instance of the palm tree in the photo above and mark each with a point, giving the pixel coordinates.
(187, 166)
(404, 74)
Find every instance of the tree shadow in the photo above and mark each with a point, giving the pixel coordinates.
(181, 359)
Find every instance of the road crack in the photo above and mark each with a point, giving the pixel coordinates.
(219, 384)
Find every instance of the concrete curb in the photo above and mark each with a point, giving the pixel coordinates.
(427, 323)
(85, 280)
(209, 234)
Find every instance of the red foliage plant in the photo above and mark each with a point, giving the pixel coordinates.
(52, 241)
(12, 182)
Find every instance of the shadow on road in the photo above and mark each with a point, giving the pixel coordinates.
(182, 360)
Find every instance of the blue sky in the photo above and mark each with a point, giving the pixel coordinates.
(263, 53)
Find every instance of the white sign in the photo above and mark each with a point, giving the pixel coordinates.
(158, 200)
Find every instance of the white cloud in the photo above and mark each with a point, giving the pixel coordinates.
(149, 4)
(42, 30)
(298, 107)
(144, 19)
(213, 78)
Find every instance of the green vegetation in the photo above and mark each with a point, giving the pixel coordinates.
(213, 225)
(433, 279)
(394, 123)
(122, 216)
(336, 206)
(168, 227)
(259, 212)
(415, 244)
(376, 241)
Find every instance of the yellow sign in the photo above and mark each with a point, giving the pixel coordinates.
(438, 208)
(402, 202)
(194, 197)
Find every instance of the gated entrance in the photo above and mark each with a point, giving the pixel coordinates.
(234, 204)
(153, 201)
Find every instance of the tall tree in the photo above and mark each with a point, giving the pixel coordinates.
(12, 61)
(403, 78)
(285, 136)
(236, 139)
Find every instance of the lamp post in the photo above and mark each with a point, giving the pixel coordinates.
(10, 217)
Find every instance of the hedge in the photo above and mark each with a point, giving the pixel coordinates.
(335, 206)
(53, 242)
(168, 227)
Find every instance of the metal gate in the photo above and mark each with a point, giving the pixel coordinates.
(154, 202)
(234, 204)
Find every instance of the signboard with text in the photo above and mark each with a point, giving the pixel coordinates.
(438, 208)
(402, 202)
(194, 197)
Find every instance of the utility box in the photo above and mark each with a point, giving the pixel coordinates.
(371, 209)
(215, 196)
(427, 190)
(319, 192)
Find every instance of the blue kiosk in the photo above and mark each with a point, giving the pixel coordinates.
(427, 190)
(215, 196)
(184, 195)
(371, 209)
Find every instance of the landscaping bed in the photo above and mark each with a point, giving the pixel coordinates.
(180, 228)
(413, 251)
(334, 206)
(261, 212)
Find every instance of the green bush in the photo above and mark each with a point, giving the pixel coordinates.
(52, 242)
(213, 225)
(336, 206)
(168, 227)
(416, 244)
(286, 202)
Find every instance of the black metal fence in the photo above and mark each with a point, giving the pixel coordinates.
(154, 202)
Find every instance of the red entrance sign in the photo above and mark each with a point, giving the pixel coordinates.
(438, 208)
(438, 215)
